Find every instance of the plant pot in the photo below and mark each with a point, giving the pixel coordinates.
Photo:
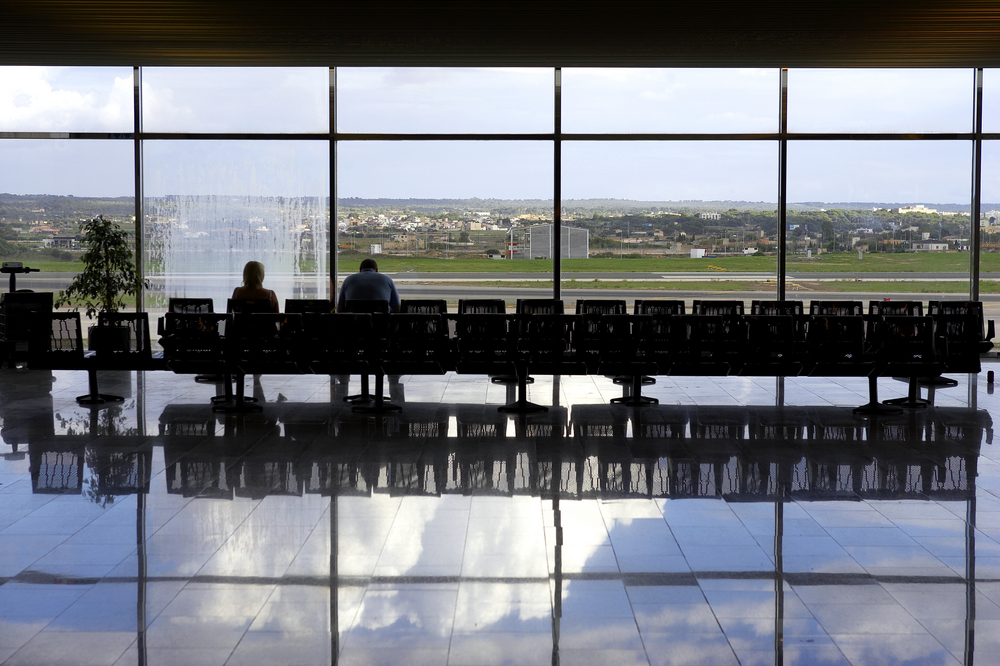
(108, 339)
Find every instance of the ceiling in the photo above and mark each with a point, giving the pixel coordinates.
(712, 33)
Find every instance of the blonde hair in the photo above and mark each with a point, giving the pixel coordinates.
(253, 274)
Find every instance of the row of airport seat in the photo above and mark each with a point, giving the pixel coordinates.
(659, 337)
(831, 338)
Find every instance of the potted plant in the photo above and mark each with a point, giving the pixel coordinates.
(108, 276)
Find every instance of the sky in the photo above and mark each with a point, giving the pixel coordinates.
(458, 100)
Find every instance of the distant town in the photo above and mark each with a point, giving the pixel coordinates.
(48, 226)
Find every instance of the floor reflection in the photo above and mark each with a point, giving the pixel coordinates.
(156, 531)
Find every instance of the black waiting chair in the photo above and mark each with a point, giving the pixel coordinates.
(837, 308)
(620, 341)
(190, 305)
(260, 343)
(773, 347)
(696, 347)
(904, 347)
(248, 306)
(658, 306)
(308, 305)
(423, 306)
(974, 308)
(379, 309)
(195, 344)
(725, 308)
(600, 306)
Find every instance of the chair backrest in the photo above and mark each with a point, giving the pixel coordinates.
(903, 338)
(658, 306)
(134, 339)
(935, 308)
(837, 308)
(341, 336)
(600, 307)
(367, 306)
(187, 336)
(190, 305)
(417, 336)
(423, 306)
(244, 306)
(717, 307)
(260, 334)
(901, 308)
(308, 305)
(63, 347)
(18, 311)
(467, 306)
(777, 308)
(539, 306)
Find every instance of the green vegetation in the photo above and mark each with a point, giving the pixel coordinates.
(109, 272)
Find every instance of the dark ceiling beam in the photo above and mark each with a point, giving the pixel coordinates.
(714, 33)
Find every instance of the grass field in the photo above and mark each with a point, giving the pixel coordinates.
(950, 262)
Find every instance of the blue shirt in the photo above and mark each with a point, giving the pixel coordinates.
(368, 285)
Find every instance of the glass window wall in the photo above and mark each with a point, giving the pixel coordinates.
(211, 206)
(66, 99)
(874, 100)
(876, 219)
(484, 195)
(678, 101)
(235, 99)
(664, 221)
(446, 100)
(430, 209)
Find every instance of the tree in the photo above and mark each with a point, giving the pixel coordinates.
(828, 235)
(109, 273)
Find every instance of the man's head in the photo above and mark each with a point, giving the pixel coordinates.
(369, 264)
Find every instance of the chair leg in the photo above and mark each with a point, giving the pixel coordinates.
(521, 405)
(912, 399)
(95, 397)
(379, 404)
(241, 403)
(636, 398)
(874, 406)
(364, 396)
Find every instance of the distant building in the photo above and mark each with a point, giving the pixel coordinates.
(535, 242)
(61, 242)
(919, 208)
(930, 246)
(710, 216)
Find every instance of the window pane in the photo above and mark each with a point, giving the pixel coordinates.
(66, 99)
(211, 206)
(989, 220)
(444, 100)
(81, 168)
(57, 186)
(876, 219)
(991, 100)
(673, 217)
(670, 100)
(880, 100)
(235, 99)
(420, 207)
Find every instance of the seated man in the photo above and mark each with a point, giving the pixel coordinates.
(368, 285)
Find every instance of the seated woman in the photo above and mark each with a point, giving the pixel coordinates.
(253, 289)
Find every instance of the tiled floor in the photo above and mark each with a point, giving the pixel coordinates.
(715, 528)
